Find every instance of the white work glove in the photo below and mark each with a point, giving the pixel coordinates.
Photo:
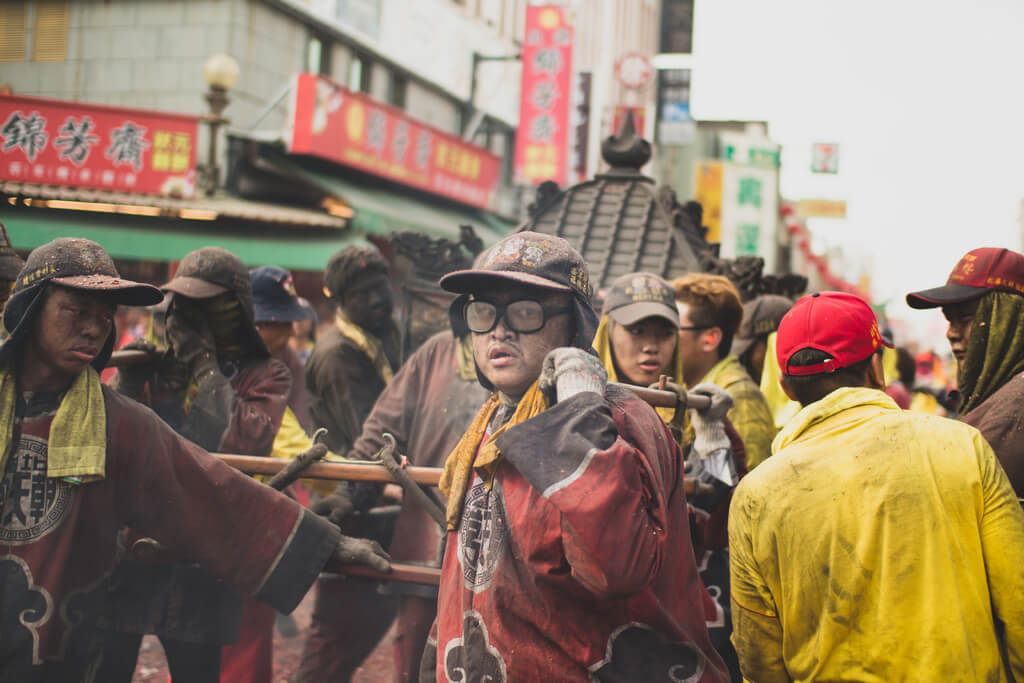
(708, 427)
(711, 445)
(570, 371)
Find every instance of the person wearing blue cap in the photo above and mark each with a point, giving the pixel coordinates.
(276, 308)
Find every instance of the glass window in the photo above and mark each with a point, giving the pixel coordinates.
(359, 71)
(399, 87)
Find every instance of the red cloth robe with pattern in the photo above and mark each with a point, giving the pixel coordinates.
(577, 564)
(60, 540)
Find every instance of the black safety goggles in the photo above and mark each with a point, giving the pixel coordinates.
(523, 316)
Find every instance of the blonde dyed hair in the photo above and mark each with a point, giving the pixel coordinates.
(714, 301)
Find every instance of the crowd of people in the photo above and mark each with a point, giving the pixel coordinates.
(799, 511)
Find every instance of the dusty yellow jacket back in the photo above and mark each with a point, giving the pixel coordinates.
(876, 545)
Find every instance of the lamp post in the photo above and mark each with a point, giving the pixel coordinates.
(220, 73)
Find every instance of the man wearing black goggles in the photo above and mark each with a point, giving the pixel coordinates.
(525, 316)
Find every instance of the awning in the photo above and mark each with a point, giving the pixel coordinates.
(381, 211)
(156, 239)
(151, 205)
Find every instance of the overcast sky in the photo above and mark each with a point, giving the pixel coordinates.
(926, 100)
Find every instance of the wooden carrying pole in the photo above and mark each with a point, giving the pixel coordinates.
(362, 470)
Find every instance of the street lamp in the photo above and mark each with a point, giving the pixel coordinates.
(220, 73)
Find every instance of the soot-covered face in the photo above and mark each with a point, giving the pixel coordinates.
(512, 360)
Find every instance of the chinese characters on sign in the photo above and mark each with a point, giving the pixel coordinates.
(52, 142)
(543, 136)
(331, 122)
(740, 208)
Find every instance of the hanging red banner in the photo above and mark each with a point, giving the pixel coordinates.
(334, 123)
(54, 142)
(542, 141)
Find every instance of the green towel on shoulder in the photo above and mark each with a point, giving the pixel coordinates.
(78, 434)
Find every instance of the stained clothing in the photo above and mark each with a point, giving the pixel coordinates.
(344, 376)
(876, 545)
(343, 384)
(241, 415)
(61, 540)
(750, 414)
(577, 562)
(426, 407)
(1000, 419)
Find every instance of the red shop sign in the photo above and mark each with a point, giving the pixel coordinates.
(542, 141)
(332, 122)
(54, 142)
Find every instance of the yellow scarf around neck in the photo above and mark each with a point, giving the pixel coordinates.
(371, 345)
(459, 466)
(77, 447)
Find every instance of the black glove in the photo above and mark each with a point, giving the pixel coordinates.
(335, 507)
(131, 379)
(363, 551)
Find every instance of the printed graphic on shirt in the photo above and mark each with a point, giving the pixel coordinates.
(472, 658)
(637, 653)
(24, 609)
(482, 535)
(31, 504)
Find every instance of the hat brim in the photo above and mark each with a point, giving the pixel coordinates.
(633, 313)
(741, 344)
(115, 289)
(283, 312)
(470, 281)
(945, 295)
(193, 287)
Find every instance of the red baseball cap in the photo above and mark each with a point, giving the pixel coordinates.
(978, 272)
(840, 324)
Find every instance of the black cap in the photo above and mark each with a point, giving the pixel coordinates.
(528, 258)
(273, 296)
(636, 296)
(209, 271)
(82, 264)
(536, 260)
(761, 317)
(78, 264)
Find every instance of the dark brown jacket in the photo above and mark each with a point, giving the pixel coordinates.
(426, 407)
(1000, 419)
(343, 385)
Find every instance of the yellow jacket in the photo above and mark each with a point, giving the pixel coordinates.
(750, 414)
(783, 407)
(876, 545)
(291, 440)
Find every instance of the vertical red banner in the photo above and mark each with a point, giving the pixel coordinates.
(542, 141)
